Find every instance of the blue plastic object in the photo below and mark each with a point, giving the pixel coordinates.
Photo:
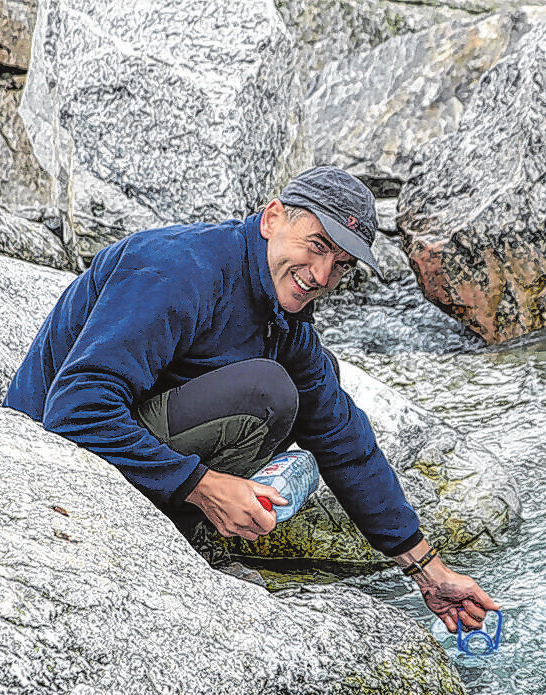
(491, 645)
(295, 475)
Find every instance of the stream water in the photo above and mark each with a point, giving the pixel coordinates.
(498, 394)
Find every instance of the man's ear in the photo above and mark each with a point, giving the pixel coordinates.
(272, 215)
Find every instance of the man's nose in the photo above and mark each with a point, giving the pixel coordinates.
(322, 270)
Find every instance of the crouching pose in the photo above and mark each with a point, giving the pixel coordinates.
(186, 357)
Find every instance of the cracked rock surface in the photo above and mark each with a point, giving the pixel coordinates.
(386, 103)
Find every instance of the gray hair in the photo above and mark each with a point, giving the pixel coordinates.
(293, 212)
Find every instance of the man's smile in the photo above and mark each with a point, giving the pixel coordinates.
(301, 284)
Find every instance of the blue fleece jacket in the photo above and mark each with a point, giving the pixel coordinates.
(164, 306)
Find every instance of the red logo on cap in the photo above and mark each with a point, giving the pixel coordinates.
(352, 223)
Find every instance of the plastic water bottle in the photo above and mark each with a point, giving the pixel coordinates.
(295, 476)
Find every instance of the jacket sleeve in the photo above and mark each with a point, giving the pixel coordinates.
(139, 316)
(350, 461)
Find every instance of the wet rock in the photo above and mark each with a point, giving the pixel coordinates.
(28, 293)
(365, 316)
(462, 494)
(17, 18)
(384, 105)
(473, 216)
(100, 593)
(181, 113)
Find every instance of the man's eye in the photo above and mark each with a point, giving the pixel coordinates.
(319, 247)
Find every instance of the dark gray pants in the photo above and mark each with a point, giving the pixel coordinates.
(235, 418)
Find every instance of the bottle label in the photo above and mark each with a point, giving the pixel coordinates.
(278, 466)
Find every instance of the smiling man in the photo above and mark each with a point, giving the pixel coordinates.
(186, 357)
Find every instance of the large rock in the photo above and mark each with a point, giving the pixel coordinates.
(28, 294)
(473, 216)
(100, 594)
(353, 28)
(372, 113)
(465, 499)
(192, 111)
(25, 188)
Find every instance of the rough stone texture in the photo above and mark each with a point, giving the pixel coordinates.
(25, 188)
(473, 217)
(32, 242)
(182, 111)
(17, 18)
(112, 217)
(479, 6)
(386, 209)
(100, 594)
(462, 494)
(353, 27)
(27, 294)
(383, 106)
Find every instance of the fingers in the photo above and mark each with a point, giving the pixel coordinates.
(270, 492)
(249, 523)
(469, 621)
(474, 610)
(231, 504)
(482, 600)
(449, 622)
(471, 616)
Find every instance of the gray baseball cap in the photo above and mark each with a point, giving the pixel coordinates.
(344, 206)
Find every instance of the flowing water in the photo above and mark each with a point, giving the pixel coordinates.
(498, 394)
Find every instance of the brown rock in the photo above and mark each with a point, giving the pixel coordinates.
(16, 26)
(472, 219)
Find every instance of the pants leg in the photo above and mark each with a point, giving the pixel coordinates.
(292, 436)
(234, 418)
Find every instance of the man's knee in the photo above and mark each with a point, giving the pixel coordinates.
(273, 393)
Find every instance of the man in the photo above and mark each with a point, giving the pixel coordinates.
(185, 356)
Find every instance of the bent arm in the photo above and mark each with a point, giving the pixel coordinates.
(350, 461)
(138, 318)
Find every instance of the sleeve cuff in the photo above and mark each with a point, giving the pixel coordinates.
(406, 545)
(180, 494)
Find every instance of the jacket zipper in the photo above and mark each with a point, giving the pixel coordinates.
(269, 340)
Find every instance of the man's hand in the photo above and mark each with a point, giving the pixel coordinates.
(448, 594)
(232, 504)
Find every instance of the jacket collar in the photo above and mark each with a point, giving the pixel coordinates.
(262, 283)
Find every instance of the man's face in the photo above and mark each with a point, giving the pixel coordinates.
(303, 261)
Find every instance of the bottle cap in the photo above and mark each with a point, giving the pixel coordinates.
(266, 503)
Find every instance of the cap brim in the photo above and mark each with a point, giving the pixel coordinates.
(348, 241)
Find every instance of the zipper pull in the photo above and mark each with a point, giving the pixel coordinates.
(269, 329)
